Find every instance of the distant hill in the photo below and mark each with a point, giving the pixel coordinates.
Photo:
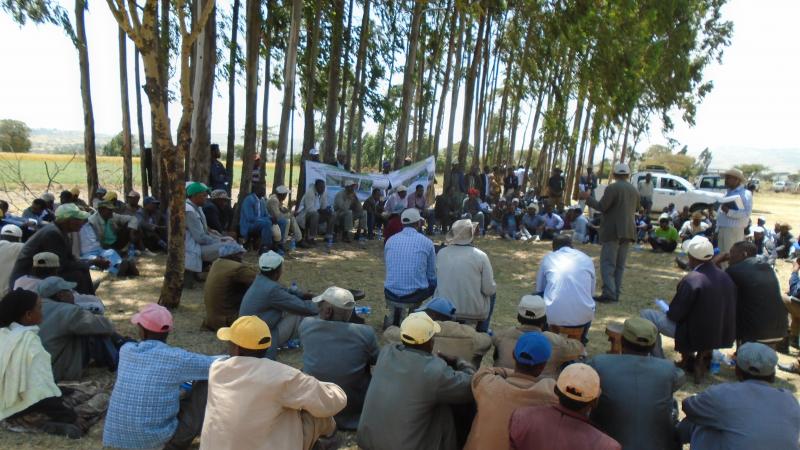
(778, 160)
(48, 140)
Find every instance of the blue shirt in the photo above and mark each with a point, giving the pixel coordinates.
(252, 209)
(794, 285)
(736, 218)
(410, 262)
(143, 410)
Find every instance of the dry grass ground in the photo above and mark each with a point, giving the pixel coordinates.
(648, 276)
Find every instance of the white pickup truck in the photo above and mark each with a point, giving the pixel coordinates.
(671, 189)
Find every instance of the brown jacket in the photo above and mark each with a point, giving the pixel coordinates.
(455, 339)
(498, 392)
(564, 349)
(226, 284)
(618, 206)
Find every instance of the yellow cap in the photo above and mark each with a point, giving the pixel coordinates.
(248, 332)
(110, 197)
(418, 328)
(75, 191)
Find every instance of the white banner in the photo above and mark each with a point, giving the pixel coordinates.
(421, 173)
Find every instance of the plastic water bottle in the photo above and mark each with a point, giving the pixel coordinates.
(662, 304)
(294, 289)
(291, 344)
(292, 245)
(131, 251)
(363, 310)
(187, 387)
(716, 360)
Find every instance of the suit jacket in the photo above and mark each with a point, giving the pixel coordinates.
(760, 313)
(704, 309)
(618, 206)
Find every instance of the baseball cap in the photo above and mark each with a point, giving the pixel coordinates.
(50, 286)
(757, 230)
(532, 307)
(622, 169)
(75, 191)
(579, 382)
(134, 194)
(195, 188)
(219, 194)
(440, 305)
(269, 261)
(336, 296)
(281, 190)
(418, 328)
(532, 349)
(70, 211)
(248, 332)
(756, 359)
(699, 247)
(762, 219)
(11, 230)
(110, 197)
(401, 188)
(46, 259)
(151, 200)
(105, 204)
(153, 317)
(663, 216)
(639, 331)
(410, 215)
(231, 248)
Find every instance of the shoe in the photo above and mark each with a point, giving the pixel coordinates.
(604, 299)
(62, 429)
(791, 368)
(681, 263)
(331, 442)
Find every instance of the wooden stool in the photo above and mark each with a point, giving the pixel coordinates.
(567, 332)
(614, 333)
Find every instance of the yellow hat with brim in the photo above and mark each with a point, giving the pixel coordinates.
(418, 328)
(248, 332)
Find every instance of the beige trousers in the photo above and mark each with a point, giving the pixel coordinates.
(314, 428)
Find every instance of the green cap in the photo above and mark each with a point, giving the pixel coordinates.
(70, 211)
(195, 188)
(640, 332)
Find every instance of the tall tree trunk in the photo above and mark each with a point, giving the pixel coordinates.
(448, 158)
(140, 123)
(334, 79)
(401, 142)
(573, 143)
(501, 126)
(86, 97)
(343, 96)
(358, 85)
(127, 159)
(288, 91)
(419, 127)
(536, 116)
(382, 128)
(230, 152)
(360, 121)
(479, 107)
(451, 45)
(312, 48)
(203, 95)
(469, 94)
(253, 20)
(625, 141)
(582, 151)
(262, 170)
(512, 139)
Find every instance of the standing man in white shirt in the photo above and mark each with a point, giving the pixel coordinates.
(646, 193)
(566, 280)
(732, 219)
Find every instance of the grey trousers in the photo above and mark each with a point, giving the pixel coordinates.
(612, 266)
(726, 237)
(663, 323)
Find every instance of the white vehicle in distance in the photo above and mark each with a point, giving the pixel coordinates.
(672, 189)
(713, 182)
(779, 186)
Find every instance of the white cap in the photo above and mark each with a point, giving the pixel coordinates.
(410, 215)
(699, 247)
(313, 151)
(663, 216)
(532, 307)
(622, 169)
(270, 261)
(281, 190)
(336, 296)
(11, 230)
(757, 230)
(401, 188)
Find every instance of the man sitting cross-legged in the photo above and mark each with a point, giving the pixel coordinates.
(227, 282)
(744, 415)
(146, 410)
(258, 404)
(281, 309)
(498, 392)
(637, 407)
(411, 397)
(531, 314)
(338, 351)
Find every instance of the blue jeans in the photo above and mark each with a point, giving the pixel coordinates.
(483, 325)
(101, 350)
(263, 227)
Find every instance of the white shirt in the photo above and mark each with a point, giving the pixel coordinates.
(567, 279)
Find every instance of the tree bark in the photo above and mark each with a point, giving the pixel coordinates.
(127, 160)
(230, 149)
(251, 94)
(360, 120)
(451, 45)
(382, 128)
(469, 94)
(356, 99)
(267, 82)
(481, 94)
(334, 80)
(86, 97)
(448, 158)
(140, 123)
(401, 143)
(536, 116)
(288, 91)
(312, 49)
(203, 95)
(343, 96)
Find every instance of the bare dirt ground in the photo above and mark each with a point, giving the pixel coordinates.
(648, 276)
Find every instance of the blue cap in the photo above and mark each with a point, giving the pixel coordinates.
(440, 305)
(532, 349)
(150, 200)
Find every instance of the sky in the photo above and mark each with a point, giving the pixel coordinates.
(753, 105)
